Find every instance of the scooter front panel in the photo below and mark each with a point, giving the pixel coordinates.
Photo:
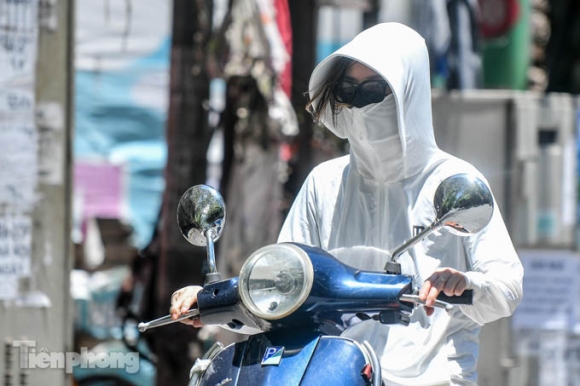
(246, 363)
(336, 361)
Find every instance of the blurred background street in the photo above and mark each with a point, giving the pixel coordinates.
(110, 110)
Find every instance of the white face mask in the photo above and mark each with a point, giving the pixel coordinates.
(376, 122)
(375, 141)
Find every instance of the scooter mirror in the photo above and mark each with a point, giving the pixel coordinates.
(201, 213)
(464, 204)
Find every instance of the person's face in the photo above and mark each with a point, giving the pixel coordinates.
(360, 86)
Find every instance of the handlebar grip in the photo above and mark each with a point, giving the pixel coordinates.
(465, 298)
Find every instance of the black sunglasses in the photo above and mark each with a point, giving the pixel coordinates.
(362, 94)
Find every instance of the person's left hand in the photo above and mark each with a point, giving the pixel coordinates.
(182, 300)
(451, 281)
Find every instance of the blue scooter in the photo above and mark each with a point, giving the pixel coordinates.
(293, 298)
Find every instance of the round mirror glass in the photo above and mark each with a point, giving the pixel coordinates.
(201, 208)
(464, 204)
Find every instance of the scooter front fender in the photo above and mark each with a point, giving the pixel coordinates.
(317, 360)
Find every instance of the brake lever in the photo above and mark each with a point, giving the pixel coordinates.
(144, 326)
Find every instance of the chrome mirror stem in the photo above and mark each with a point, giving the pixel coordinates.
(213, 274)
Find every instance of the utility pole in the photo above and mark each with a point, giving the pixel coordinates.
(36, 311)
(179, 263)
(304, 20)
(371, 14)
(563, 48)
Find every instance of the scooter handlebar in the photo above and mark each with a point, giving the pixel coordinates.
(443, 301)
(193, 313)
(466, 298)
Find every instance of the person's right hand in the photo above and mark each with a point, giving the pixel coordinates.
(182, 300)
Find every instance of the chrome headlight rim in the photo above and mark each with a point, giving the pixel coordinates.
(308, 270)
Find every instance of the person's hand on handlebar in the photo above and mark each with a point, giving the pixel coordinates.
(182, 300)
(448, 280)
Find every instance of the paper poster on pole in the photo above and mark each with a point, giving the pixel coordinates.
(18, 141)
(18, 160)
(15, 253)
(8, 287)
(18, 134)
(551, 289)
(15, 245)
(18, 41)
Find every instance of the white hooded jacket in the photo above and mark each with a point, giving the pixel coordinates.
(363, 205)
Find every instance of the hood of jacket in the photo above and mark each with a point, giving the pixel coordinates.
(399, 55)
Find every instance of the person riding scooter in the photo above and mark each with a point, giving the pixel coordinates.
(375, 91)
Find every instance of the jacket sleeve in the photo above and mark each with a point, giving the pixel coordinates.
(495, 275)
(301, 225)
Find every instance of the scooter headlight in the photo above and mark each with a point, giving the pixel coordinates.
(276, 280)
